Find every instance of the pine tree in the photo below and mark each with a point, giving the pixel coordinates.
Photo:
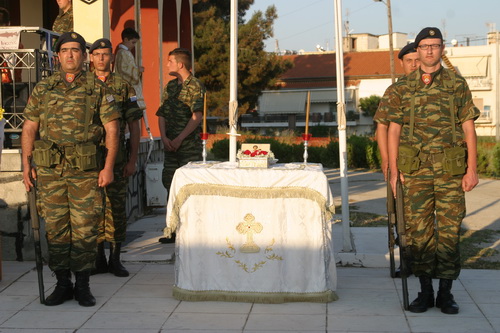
(257, 69)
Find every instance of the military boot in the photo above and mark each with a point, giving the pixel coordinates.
(445, 299)
(82, 289)
(63, 290)
(425, 298)
(101, 263)
(115, 265)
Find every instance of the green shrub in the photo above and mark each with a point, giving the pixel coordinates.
(330, 155)
(496, 160)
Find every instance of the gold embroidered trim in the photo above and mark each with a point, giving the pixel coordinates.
(244, 192)
(253, 297)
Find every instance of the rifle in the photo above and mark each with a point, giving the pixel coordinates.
(391, 225)
(403, 250)
(35, 225)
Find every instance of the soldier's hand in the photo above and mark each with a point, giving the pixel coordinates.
(176, 143)
(129, 169)
(385, 168)
(105, 177)
(28, 184)
(167, 145)
(470, 180)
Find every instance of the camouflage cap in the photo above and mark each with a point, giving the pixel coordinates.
(102, 43)
(70, 37)
(409, 48)
(429, 32)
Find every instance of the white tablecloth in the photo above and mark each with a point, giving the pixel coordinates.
(256, 235)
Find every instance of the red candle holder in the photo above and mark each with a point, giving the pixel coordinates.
(306, 137)
(204, 136)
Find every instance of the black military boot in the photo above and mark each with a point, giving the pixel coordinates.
(115, 265)
(64, 289)
(82, 289)
(425, 298)
(444, 299)
(101, 263)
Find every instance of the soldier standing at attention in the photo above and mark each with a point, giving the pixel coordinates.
(70, 112)
(115, 217)
(179, 118)
(432, 141)
(64, 21)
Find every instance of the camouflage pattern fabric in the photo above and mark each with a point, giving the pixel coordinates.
(63, 22)
(381, 116)
(434, 200)
(179, 103)
(70, 200)
(113, 228)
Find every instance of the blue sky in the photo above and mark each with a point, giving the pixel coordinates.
(303, 24)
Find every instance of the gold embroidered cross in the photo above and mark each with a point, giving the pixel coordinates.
(249, 227)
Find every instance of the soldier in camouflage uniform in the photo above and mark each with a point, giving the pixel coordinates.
(64, 21)
(179, 117)
(408, 59)
(434, 186)
(70, 112)
(115, 219)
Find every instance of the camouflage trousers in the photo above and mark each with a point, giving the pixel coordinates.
(174, 160)
(113, 227)
(71, 203)
(434, 210)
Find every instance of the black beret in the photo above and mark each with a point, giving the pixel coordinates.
(429, 32)
(102, 43)
(70, 37)
(409, 48)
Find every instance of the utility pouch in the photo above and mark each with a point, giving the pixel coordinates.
(408, 160)
(46, 154)
(454, 160)
(85, 156)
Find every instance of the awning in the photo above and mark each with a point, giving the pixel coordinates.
(294, 101)
(471, 66)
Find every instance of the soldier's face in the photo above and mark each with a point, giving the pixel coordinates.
(71, 57)
(410, 62)
(431, 56)
(102, 59)
(173, 65)
(64, 4)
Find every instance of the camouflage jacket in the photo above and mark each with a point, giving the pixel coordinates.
(61, 109)
(433, 127)
(63, 22)
(179, 103)
(125, 99)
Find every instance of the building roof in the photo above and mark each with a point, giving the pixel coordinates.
(318, 70)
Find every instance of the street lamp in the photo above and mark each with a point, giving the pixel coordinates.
(391, 49)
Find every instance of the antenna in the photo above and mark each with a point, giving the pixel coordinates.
(277, 46)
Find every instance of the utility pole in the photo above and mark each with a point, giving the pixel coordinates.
(391, 47)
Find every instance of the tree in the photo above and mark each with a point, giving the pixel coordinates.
(369, 105)
(257, 69)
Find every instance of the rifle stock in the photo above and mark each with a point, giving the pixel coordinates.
(403, 250)
(35, 225)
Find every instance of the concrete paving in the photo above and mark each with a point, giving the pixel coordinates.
(369, 300)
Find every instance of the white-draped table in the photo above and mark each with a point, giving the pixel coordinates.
(252, 235)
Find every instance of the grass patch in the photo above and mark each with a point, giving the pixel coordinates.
(475, 245)
(475, 251)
